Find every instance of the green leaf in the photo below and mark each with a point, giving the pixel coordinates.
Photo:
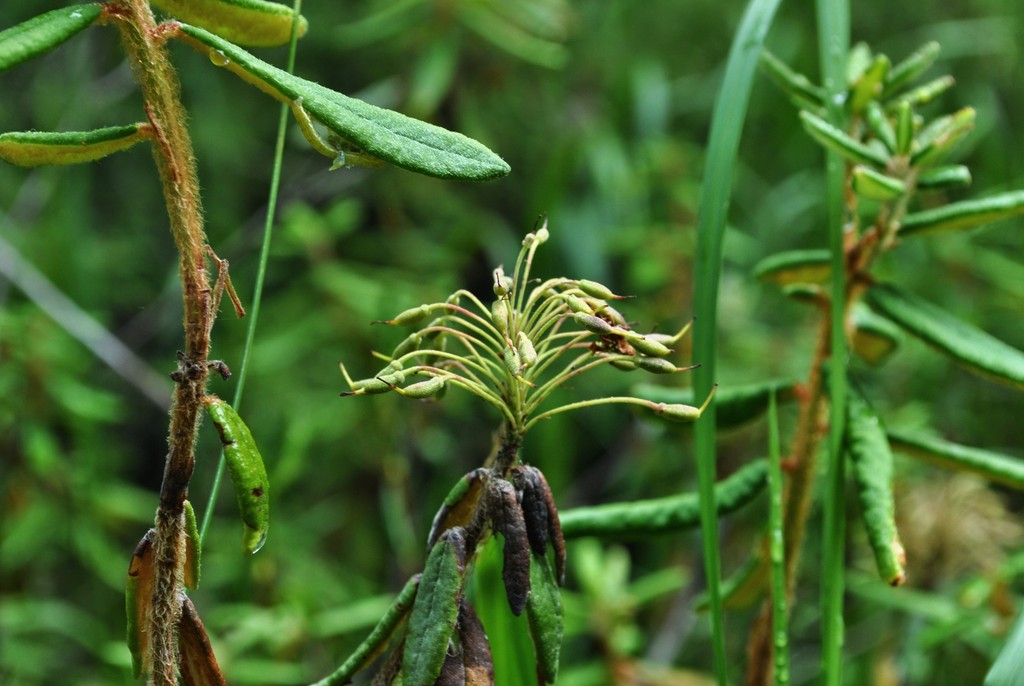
(1008, 669)
(872, 185)
(248, 474)
(971, 347)
(944, 177)
(795, 266)
(435, 610)
(45, 32)
(910, 68)
(193, 549)
(966, 214)
(664, 515)
(872, 464)
(874, 337)
(993, 466)
(35, 148)
(801, 91)
(247, 22)
(544, 612)
(839, 142)
(382, 134)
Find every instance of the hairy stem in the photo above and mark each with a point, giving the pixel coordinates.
(175, 162)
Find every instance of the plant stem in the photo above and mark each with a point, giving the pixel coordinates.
(175, 162)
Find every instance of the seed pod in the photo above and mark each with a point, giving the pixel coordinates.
(408, 345)
(476, 649)
(501, 316)
(512, 361)
(527, 353)
(502, 284)
(192, 549)
(656, 365)
(415, 315)
(577, 304)
(138, 597)
(435, 610)
(595, 324)
(44, 32)
(647, 346)
(423, 389)
(507, 519)
(734, 405)
(459, 505)
(248, 475)
(198, 663)
(626, 364)
(35, 148)
(872, 470)
(544, 613)
(598, 290)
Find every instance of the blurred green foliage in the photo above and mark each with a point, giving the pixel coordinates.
(602, 110)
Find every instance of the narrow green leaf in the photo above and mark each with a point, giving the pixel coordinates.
(794, 266)
(922, 95)
(993, 466)
(248, 474)
(379, 133)
(44, 32)
(840, 143)
(904, 128)
(880, 125)
(664, 515)
(944, 177)
(435, 610)
(735, 405)
(716, 189)
(872, 185)
(967, 345)
(868, 88)
(544, 613)
(254, 23)
(1008, 669)
(777, 549)
(966, 214)
(872, 464)
(798, 87)
(940, 137)
(35, 148)
(368, 649)
(910, 68)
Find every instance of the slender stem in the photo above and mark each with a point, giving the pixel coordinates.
(175, 162)
(780, 605)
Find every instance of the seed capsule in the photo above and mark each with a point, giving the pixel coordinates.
(423, 389)
(527, 353)
(595, 324)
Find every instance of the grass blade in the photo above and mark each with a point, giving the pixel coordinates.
(780, 604)
(726, 126)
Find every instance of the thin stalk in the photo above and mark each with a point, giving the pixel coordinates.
(726, 126)
(780, 604)
(175, 161)
(834, 41)
(257, 295)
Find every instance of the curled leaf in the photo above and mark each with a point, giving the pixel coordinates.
(459, 505)
(664, 515)
(967, 345)
(138, 597)
(873, 471)
(45, 32)
(795, 266)
(254, 23)
(993, 466)
(198, 663)
(35, 148)
(965, 214)
(544, 614)
(507, 519)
